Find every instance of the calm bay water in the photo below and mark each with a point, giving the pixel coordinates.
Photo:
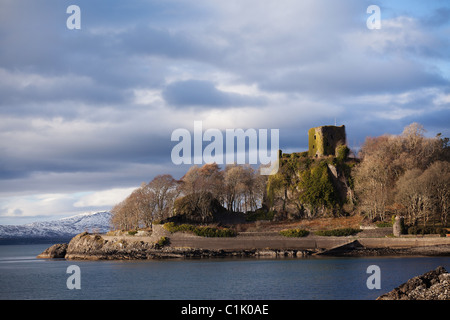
(22, 276)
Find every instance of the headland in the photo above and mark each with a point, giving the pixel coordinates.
(161, 243)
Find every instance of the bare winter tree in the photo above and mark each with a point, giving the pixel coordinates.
(149, 202)
(435, 182)
(234, 177)
(200, 185)
(376, 174)
(411, 195)
(164, 190)
(394, 164)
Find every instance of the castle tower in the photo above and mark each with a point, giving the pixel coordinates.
(324, 140)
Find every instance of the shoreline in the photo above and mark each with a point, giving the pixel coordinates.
(183, 245)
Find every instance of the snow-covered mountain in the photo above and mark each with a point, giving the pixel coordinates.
(62, 228)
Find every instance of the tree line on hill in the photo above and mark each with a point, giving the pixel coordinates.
(406, 174)
(196, 196)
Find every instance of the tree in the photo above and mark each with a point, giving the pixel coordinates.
(277, 190)
(410, 193)
(143, 203)
(375, 174)
(199, 186)
(149, 202)
(417, 150)
(425, 194)
(253, 184)
(386, 159)
(123, 217)
(436, 180)
(164, 191)
(234, 186)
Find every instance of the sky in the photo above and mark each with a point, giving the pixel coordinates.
(86, 115)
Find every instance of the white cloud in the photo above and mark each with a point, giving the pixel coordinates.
(147, 96)
(104, 198)
(37, 205)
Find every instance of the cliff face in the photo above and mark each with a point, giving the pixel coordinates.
(433, 285)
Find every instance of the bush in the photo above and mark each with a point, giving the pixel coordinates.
(132, 233)
(294, 233)
(338, 232)
(169, 226)
(414, 230)
(214, 232)
(259, 214)
(200, 231)
(162, 242)
(172, 227)
(342, 152)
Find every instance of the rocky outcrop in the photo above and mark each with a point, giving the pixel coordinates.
(163, 244)
(94, 247)
(433, 285)
(54, 252)
(87, 246)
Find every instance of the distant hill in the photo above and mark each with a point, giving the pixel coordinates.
(59, 229)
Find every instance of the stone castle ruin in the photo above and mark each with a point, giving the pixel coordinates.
(324, 140)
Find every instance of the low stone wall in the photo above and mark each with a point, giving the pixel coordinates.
(403, 242)
(159, 231)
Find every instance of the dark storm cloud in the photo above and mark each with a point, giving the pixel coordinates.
(105, 159)
(59, 89)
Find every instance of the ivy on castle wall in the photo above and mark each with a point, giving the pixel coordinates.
(308, 182)
(315, 142)
(324, 140)
(317, 188)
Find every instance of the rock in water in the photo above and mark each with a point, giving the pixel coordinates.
(55, 251)
(433, 285)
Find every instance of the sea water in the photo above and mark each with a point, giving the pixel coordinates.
(22, 276)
